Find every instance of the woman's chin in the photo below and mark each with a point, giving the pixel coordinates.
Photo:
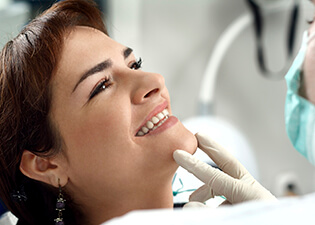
(190, 143)
(178, 137)
(186, 140)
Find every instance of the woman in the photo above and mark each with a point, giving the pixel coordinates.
(81, 124)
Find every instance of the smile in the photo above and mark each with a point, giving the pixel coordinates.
(154, 123)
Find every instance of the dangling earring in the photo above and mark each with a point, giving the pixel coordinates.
(60, 206)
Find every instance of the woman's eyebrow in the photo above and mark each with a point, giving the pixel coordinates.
(127, 51)
(101, 67)
(96, 69)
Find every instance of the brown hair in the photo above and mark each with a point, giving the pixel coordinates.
(27, 65)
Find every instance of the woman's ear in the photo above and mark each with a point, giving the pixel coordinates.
(47, 170)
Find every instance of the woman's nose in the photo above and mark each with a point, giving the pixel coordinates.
(146, 86)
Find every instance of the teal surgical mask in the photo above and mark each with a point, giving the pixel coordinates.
(299, 112)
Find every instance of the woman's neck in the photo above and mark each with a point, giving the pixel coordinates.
(159, 196)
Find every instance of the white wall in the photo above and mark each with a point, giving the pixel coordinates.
(175, 38)
(13, 16)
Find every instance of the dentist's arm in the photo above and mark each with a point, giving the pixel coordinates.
(234, 181)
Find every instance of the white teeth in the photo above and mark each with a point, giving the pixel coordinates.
(160, 116)
(155, 120)
(154, 123)
(145, 130)
(160, 123)
(150, 125)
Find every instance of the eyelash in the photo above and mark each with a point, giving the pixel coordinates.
(136, 65)
(101, 86)
(106, 82)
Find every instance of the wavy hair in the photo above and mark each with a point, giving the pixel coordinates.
(27, 65)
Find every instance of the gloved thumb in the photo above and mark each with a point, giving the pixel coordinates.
(202, 194)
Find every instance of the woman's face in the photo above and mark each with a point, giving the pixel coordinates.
(100, 103)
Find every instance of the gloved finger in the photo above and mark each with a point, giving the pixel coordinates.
(213, 177)
(201, 170)
(202, 194)
(233, 189)
(224, 160)
(220, 182)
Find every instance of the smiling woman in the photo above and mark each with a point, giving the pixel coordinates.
(81, 124)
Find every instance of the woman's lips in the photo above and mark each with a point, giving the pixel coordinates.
(172, 120)
(155, 122)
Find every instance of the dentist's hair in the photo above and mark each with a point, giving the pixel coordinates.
(27, 65)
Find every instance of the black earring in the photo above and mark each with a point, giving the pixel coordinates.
(19, 195)
(60, 206)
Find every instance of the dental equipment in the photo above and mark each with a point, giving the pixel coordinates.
(257, 7)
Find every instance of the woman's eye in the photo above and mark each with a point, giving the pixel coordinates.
(136, 65)
(101, 86)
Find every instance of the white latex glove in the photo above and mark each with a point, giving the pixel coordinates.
(234, 183)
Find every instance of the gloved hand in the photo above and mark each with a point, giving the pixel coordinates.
(234, 183)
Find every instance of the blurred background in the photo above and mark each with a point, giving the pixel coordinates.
(188, 40)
